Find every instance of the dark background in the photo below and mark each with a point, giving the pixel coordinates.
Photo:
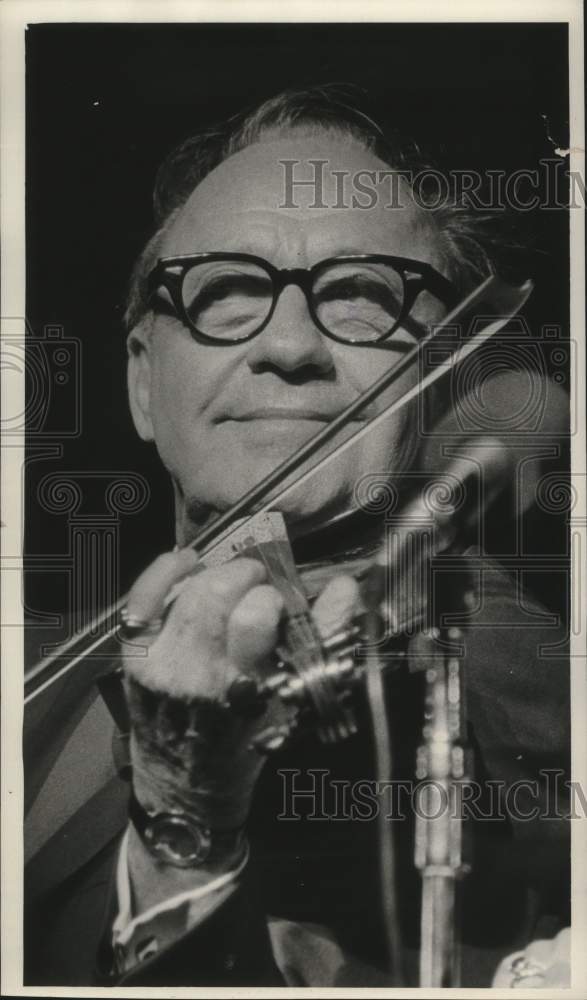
(106, 102)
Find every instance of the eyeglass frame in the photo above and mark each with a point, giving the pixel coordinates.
(170, 273)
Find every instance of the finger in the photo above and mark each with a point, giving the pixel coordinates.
(562, 945)
(207, 600)
(253, 627)
(189, 658)
(557, 975)
(146, 600)
(504, 974)
(540, 951)
(336, 606)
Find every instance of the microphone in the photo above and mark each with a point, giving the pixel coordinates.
(490, 445)
(526, 411)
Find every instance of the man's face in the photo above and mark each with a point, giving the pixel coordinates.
(224, 416)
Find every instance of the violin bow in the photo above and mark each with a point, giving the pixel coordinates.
(493, 303)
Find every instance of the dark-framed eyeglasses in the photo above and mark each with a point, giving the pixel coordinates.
(229, 298)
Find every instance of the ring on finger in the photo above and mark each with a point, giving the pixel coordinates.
(132, 625)
(524, 968)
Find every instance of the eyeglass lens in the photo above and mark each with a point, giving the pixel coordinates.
(229, 300)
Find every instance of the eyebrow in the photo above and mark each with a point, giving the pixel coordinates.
(354, 251)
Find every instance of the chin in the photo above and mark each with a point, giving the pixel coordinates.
(313, 502)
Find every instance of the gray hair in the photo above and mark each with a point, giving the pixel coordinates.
(469, 235)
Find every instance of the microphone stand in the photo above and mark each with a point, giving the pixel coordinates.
(442, 768)
(404, 570)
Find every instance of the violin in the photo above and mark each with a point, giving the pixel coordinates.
(316, 677)
(493, 301)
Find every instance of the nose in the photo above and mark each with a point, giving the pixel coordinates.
(291, 343)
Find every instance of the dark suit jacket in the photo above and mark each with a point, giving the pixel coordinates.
(315, 881)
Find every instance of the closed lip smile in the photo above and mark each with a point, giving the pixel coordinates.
(282, 413)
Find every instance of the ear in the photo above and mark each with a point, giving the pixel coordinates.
(139, 379)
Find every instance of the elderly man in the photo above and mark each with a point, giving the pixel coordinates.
(267, 300)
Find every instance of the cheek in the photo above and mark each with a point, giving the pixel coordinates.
(179, 395)
(175, 396)
(183, 378)
(363, 368)
(392, 446)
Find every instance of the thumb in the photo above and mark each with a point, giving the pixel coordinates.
(253, 626)
(338, 603)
